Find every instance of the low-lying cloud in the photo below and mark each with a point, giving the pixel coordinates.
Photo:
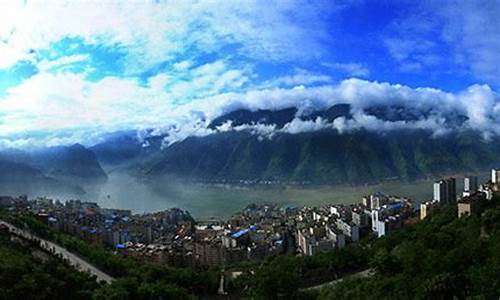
(478, 106)
(475, 108)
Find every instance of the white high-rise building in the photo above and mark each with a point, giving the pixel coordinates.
(470, 184)
(445, 190)
(495, 176)
(439, 191)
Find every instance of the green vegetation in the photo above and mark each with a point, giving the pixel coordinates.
(440, 258)
(282, 277)
(28, 273)
(323, 157)
(135, 279)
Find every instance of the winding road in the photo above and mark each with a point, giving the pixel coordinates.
(74, 260)
(361, 274)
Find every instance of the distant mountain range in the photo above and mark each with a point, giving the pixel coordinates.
(324, 156)
(62, 170)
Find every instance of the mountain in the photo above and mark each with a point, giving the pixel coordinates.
(74, 164)
(263, 116)
(63, 171)
(279, 117)
(19, 178)
(324, 156)
(117, 148)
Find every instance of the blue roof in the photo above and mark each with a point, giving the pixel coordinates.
(120, 246)
(253, 227)
(239, 233)
(396, 205)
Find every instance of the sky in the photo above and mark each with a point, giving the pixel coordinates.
(73, 70)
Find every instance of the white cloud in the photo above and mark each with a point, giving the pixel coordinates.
(183, 103)
(453, 34)
(299, 77)
(298, 125)
(473, 29)
(478, 103)
(46, 65)
(351, 69)
(155, 31)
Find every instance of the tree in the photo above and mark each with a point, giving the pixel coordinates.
(278, 278)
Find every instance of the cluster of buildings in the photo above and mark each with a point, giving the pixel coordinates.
(173, 237)
(473, 198)
(258, 231)
(325, 228)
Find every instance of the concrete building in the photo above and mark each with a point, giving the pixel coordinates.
(116, 237)
(319, 239)
(377, 200)
(466, 209)
(384, 226)
(336, 236)
(360, 218)
(470, 184)
(209, 253)
(445, 190)
(495, 176)
(366, 201)
(439, 190)
(323, 245)
(427, 207)
(471, 205)
(350, 230)
(487, 190)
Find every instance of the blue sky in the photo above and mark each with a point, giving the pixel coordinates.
(70, 71)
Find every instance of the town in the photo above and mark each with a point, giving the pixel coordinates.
(174, 238)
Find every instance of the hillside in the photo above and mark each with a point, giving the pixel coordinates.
(324, 157)
(26, 272)
(292, 146)
(441, 257)
(22, 179)
(61, 171)
(117, 148)
(73, 163)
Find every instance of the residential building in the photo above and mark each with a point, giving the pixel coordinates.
(471, 205)
(495, 176)
(445, 190)
(336, 236)
(470, 184)
(384, 226)
(349, 229)
(427, 207)
(360, 218)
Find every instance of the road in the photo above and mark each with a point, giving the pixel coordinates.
(361, 274)
(74, 260)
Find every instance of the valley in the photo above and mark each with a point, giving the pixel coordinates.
(205, 202)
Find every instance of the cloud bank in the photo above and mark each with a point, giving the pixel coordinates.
(105, 106)
(170, 67)
(475, 108)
